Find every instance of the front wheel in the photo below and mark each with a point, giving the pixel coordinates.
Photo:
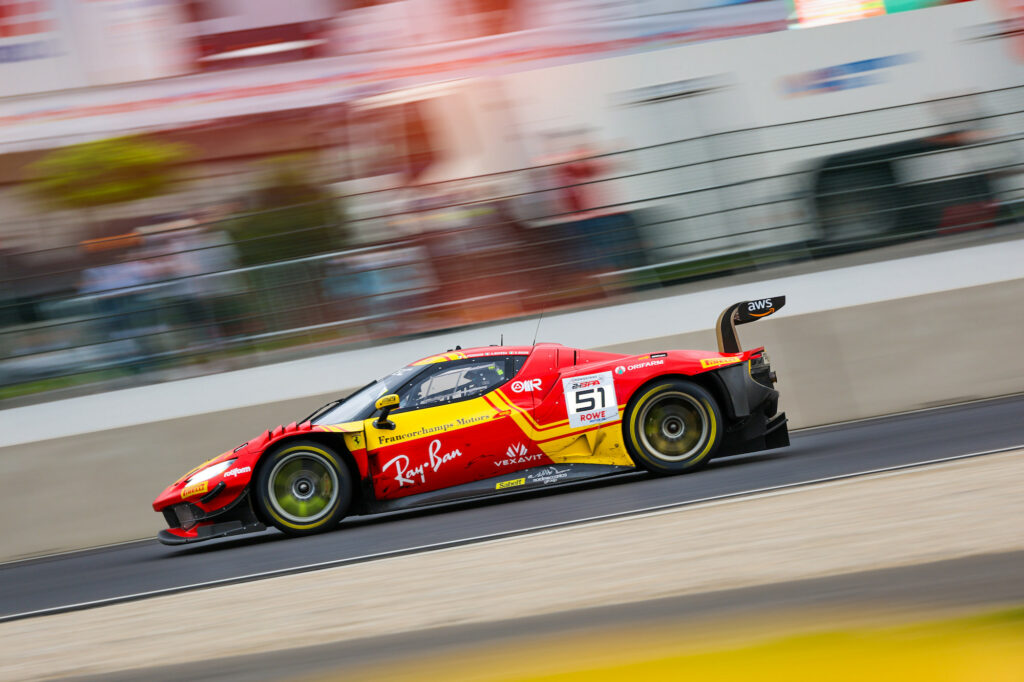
(303, 488)
(672, 426)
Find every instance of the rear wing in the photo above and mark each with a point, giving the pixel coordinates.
(742, 313)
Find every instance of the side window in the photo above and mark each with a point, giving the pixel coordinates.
(517, 364)
(455, 381)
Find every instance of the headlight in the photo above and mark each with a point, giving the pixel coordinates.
(209, 472)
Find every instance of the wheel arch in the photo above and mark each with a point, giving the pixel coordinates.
(714, 388)
(335, 442)
(709, 381)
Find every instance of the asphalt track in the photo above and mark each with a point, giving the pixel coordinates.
(975, 583)
(139, 569)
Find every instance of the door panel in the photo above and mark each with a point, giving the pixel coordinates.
(442, 446)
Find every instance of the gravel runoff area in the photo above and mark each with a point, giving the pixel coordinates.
(899, 518)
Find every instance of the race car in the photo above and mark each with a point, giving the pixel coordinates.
(488, 421)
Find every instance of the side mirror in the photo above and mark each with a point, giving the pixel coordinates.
(385, 404)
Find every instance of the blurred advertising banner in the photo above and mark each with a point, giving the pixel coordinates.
(245, 33)
(135, 40)
(139, 40)
(36, 52)
(48, 45)
(810, 13)
(404, 23)
(1007, 29)
(821, 12)
(130, 40)
(570, 12)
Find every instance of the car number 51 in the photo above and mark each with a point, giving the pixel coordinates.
(590, 399)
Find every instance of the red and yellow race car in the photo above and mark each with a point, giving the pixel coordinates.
(485, 421)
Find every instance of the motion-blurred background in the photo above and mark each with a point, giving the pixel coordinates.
(189, 186)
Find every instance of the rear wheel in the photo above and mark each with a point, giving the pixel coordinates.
(672, 426)
(303, 488)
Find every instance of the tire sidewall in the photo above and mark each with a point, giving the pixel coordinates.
(631, 426)
(261, 491)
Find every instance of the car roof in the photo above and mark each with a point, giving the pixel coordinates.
(482, 352)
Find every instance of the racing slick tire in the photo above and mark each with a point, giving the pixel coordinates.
(303, 488)
(672, 426)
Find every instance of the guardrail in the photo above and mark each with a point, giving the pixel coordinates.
(512, 243)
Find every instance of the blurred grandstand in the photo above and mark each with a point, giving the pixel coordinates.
(305, 205)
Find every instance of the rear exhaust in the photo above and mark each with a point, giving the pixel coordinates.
(742, 313)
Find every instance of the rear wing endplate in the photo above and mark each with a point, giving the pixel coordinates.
(742, 313)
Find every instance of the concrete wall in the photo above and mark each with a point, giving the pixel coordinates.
(886, 357)
(835, 365)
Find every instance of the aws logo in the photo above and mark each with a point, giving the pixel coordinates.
(761, 308)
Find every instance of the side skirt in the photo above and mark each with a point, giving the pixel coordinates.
(518, 481)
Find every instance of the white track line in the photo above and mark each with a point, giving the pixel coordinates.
(493, 537)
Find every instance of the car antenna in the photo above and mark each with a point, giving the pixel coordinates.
(501, 339)
(537, 330)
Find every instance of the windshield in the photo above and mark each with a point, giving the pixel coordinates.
(359, 405)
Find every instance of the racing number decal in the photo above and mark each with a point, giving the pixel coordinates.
(590, 399)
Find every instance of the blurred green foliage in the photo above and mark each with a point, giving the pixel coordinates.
(104, 172)
(290, 216)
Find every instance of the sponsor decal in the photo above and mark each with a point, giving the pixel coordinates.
(406, 475)
(761, 308)
(428, 430)
(495, 353)
(527, 386)
(845, 76)
(590, 399)
(237, 471)
(517, 454)
(196, 489)
(707, 363)
(514, 483)
(639, 365)
(548, 475)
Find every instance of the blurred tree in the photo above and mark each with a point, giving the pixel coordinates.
(107, 172)
(290, 216)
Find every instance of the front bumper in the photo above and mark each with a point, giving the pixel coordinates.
(189, 523)
(207, 531)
